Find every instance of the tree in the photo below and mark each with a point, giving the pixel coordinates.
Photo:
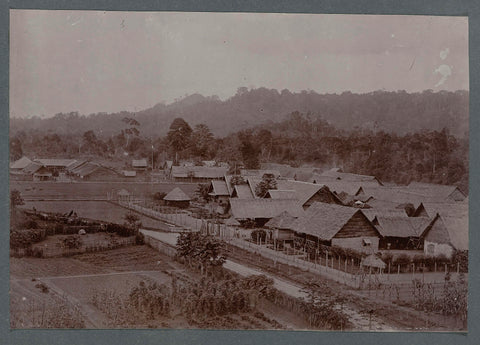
(268, 182)
(202, 141)
(133, 221)
(237, 180)
(16, 151)
(249, 151)
(204, 250)
(131, 131)
(15, 200)
(202, 191)
(179, 135)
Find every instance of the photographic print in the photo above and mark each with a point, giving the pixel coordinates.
(250, 171)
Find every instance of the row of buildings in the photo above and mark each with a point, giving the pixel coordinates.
(71, 169)
(348, 210)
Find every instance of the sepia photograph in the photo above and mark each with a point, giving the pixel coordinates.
(238, 171)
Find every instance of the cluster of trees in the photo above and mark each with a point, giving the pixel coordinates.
(427, 155)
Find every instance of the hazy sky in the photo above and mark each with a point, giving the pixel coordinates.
(89, 61)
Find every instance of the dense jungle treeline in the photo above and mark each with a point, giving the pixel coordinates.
(301, 139)
(397, 112)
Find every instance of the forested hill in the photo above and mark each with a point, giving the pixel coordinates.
(397, 112)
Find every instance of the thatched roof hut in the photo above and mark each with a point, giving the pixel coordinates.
(372, 261)
(177, 198)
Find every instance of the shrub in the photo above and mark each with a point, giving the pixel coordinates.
(461, 257)
(139, 239)
(25, 238)
(30, 224)
(72, 242)
(402, 259)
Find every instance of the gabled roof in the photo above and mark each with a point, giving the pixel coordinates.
(371, 213)
(263, 208)
(280, 194)
(139, 163)
(176, 194)
(434, 191)
(325, 220)
(21, 163)
(32, 168)
(198, 172)
(458, 210)
(242, 191)
(283, 221)
(349, 187)
(86, 169)
(219, 187)
(259, 172)
(129, 173)
(402, 226)
(398, 194)
(168, 164)
(76, 164)
(56, 162)
(302, 191)
(337, 175)
(450, 230)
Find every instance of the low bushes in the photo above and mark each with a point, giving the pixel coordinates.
(25, 238)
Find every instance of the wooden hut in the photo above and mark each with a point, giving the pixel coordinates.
(281, 227)
(445, 235)
(177, 198)
(262, 210)
(334, 225)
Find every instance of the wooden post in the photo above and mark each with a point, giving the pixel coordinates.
(458, 267)
(398, 273)
(435, 267)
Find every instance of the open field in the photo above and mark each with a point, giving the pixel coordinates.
(95, 210)
(40, 286)
(94, 190)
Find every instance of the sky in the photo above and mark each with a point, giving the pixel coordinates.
(95, 61)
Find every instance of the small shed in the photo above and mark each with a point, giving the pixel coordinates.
(139, 164)
(177, 198)
(123, 195)
(282, 226)
(129, 173)
(372, 261)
